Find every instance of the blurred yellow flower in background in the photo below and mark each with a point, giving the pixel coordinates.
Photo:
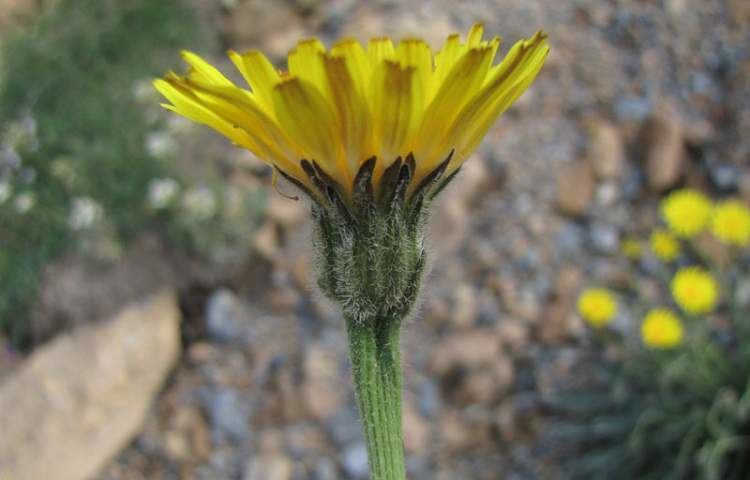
(664, 244)
(631, 248)
(731, 223)
(695, 290)
(597, 306)
(687, 212)
(336, 108)
(661, 329)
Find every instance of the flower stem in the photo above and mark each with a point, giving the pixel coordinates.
(376, 364)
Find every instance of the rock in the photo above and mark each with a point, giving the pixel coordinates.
(322, 389)
(224, 317)
(484, 385)
(514, 334)
(429, 398)
(267, 241)
(744, 186)
(325, 469)
(664, 149)
(575, 188)
(15, 12)
(253, 22)
(469, 349)
(632, 108)
(604, 237)
(229, 414)
(78, 400)
(188, 437)
(606, 151)
(724, 176)
(416, 429)
(354, 461)
(505, 415)
(269, 467)
(466, 306)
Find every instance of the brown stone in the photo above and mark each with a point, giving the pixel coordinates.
(416, 429)
(606, 151)
(575, 188)
(77, 401)
(322, 389)
(468, 349)
(664, 149)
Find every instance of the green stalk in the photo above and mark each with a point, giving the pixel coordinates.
(376, 365)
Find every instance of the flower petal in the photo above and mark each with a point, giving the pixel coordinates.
(505, 85)
(259, 73)
(309, 120)
(394, 102)
(465, 78)
(352, 111)
(306, 62)
(202, 70)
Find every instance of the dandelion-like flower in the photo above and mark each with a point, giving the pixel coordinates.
(335, 109)
(597, 306)
(731, 223)
(631, 248)
(687, 212)
(371, 135)
(695, 290)
(664, 244)
(661, 329)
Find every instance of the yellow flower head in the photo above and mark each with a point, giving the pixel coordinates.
(695, 290)
(664, 244)
(597, 306)
(661, 329)
(336, 109)
(631, 248)
(687, 212)
(731, 223)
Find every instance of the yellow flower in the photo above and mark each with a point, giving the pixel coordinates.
(731, 223)
(687, 212)
(597, 306)
(665, 246)
(695, 290)
(661, 329)
(335, 109)
(631, 248)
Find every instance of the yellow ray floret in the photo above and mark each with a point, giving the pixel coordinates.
(597, 306)
(661, 329)
(342, 106)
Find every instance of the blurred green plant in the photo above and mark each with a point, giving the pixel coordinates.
(676, 403)
(74, 142)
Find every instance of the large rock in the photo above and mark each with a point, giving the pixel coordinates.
(77, 401)
(606, 151)
(665, 149)
(575, 188)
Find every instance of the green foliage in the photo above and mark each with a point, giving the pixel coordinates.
(71, 75)
(662, 415)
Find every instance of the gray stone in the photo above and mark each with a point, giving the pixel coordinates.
(224, 317)
(604, 237)
(229, 414)
(354, 461)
